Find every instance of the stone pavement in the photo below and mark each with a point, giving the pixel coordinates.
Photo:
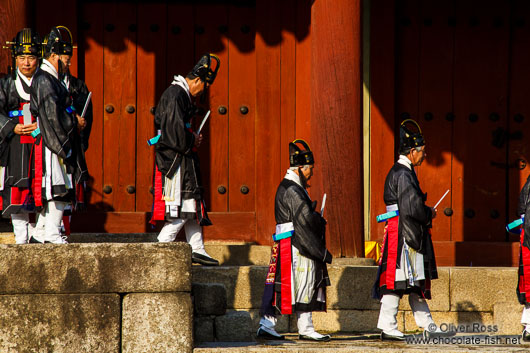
(342, 343)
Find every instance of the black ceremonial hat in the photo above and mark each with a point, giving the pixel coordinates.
(299, 157)
(410, 136)
(26, 42)
(59, 41)
(203, 68)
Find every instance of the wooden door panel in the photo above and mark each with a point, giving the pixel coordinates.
(435, 102)
(151, 82)
(119, 163)
(270, 122)
(519, 110)
(242, 95)
(211, 37)
(92, 19)
(480, 91)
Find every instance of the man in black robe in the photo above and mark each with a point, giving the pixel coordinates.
(298, 276)
(178, 192)
(407, 265)
(16, 125)
(523, 287)
(63, 162)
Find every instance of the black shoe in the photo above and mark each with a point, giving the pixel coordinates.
(35, 241)
(203, 259)
(387, 337)
(268, 336)
(324, 338)
(435, 334)
(525, 336)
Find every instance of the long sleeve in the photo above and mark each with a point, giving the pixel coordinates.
(55, 123)
(308, 227)
(6, 123)
(524, 209)
(414, 215)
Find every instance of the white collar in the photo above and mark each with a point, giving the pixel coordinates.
(49, 68)
(405, 161)
(18, 85)
(292, 176)
(66, 81)
(181, 81)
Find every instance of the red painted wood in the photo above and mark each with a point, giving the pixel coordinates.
(303, 77)
(519, 76)
(382, 106)
(93, 57)
(119, 76)
(479, 253)
(480, 87)
(242, 93)
(151, 82)
(58, 13)
(336, 121)
(435, 101)
(214, 150)
(14, 15)
(269, 117)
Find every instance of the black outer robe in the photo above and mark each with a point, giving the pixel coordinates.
(79, 93)
(15, 156)
(49, 100)
(415, 219)
(175, 146)
(524, 209)
(292, 204)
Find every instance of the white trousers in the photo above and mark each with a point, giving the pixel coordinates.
(304, 323)
(20, 227)
(48, 227)
(389, 309)
(193, 233)
(525, 318)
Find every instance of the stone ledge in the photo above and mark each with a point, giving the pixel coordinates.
(157, 322)
(95, 268)
(60, 323)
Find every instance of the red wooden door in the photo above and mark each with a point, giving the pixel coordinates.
(131, 52)
(461, 73)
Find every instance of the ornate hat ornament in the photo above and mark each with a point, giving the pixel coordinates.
(299, 157)
(59, 41)
(203, 68)
(410, 136)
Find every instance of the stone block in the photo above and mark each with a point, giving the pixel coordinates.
(464, 321)
(282, 325)
(507, 317)
(478, 289)
(95, 268)
(60, 323)
(234, 326)
(244, 285)
(203, 329)
(351, 288)
(364, 321)
(157, 322)
(239, 254)
(209, 298)
(439, 292)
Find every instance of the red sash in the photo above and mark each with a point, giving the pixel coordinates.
(37, 180)
(159, 205)
(525, 256)
(392, 239)
(286, 268)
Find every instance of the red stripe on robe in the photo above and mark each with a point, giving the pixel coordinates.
(286, 269)
(525, 254)
(37, 181)
(159, 206)
(392, 239)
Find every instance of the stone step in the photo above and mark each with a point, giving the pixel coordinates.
(461, 296)
(344, 343)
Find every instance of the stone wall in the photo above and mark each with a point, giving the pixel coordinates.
(95, 298)
(471, 295)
